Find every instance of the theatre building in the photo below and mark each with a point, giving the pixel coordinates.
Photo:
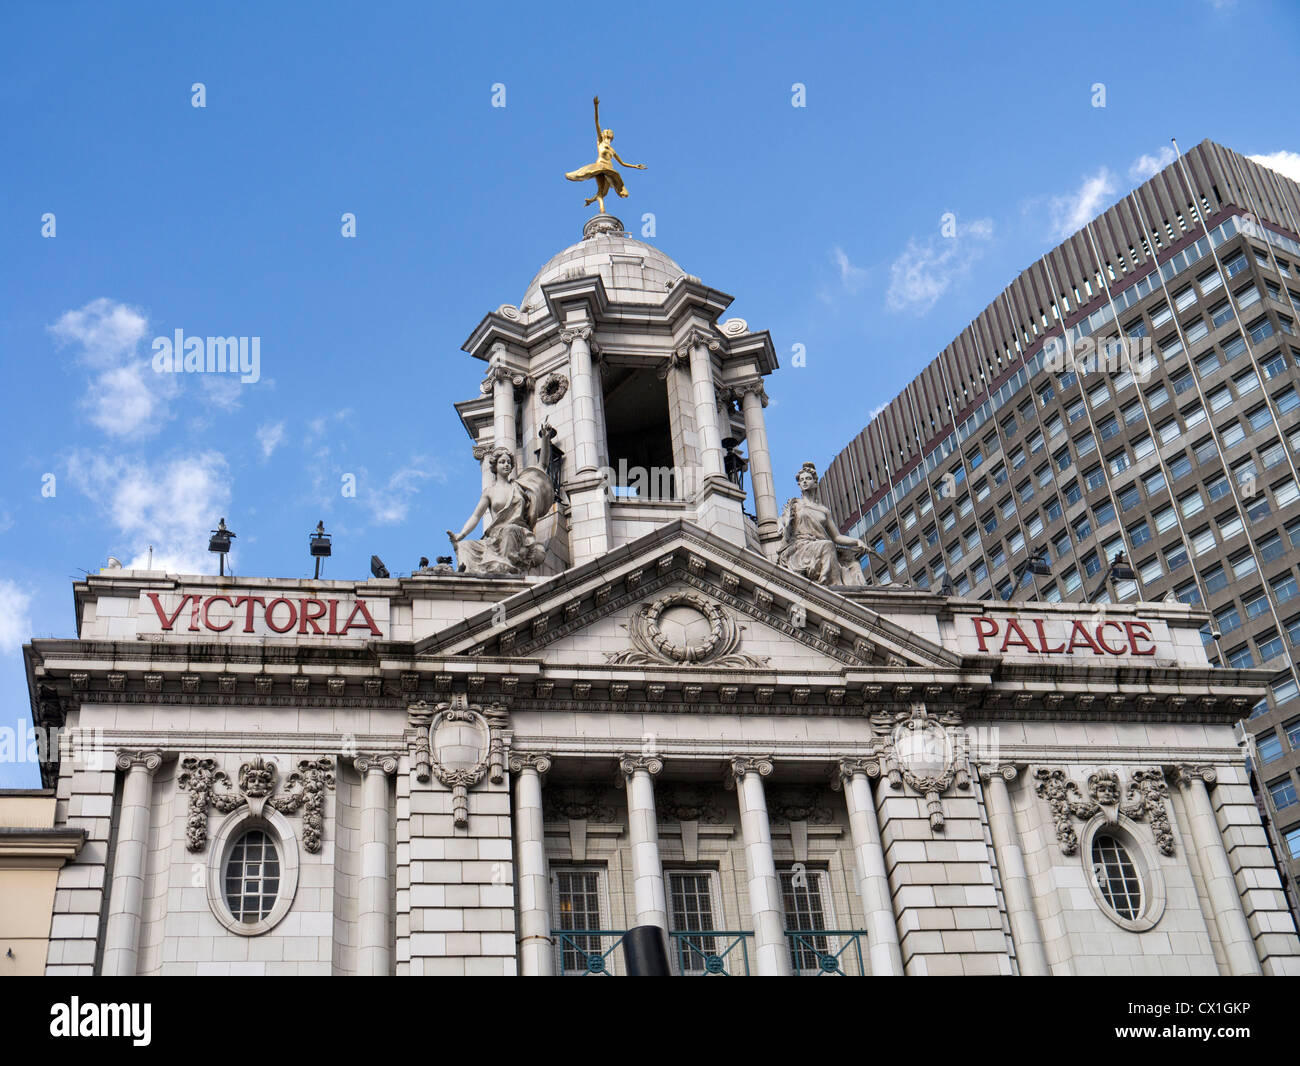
(647, 695)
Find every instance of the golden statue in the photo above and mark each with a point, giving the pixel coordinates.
(603, 169)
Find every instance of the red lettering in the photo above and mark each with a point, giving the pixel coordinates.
(1042, 638)
(1134, 635)
(163, 619)
(207, 622)
(308, 616)
(194, 614)
(984, 635)
(1080, 630)
(1024, 641)
(270, 612)
(334, 618)
(359, 608)
(248, 616)
(1101, 639)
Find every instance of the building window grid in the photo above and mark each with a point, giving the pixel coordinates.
(988, 395)
(690, 906)
(1221, 456)
(1117, 877)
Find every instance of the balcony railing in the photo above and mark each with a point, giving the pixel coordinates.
(715, 952)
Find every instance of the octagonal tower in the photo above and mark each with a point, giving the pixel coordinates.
(619, 351)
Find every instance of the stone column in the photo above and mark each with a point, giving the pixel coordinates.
(1015, 879)
(501, 381)
(126, 898)
(698, 345)
(1234, 930)
(481, 453)
(535, 947)
(651, 901)
(586, 432)
(752, 401)
(374, 890)
(869, 856)
(771, 950)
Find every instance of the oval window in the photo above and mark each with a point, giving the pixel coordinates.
(1117, 876)
(252, 877)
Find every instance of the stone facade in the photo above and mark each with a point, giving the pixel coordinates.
(453, 774)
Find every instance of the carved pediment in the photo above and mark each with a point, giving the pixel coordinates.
(680, 598)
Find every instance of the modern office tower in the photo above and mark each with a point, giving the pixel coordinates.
(1184, 457)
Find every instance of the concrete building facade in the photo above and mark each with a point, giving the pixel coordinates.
(1181, 452)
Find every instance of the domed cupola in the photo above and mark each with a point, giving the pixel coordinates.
(615, 376)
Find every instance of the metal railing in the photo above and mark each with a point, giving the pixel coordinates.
(715, 952)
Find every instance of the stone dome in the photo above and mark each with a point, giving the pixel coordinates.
(633, 272)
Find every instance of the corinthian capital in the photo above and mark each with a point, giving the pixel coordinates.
(845, 769)
(745, 388)
(384, 762)
(630, 764)
(128, 760)
(581, 333)
(1005, 770)
(696, 338)
(1184, 774)
(740, 765)
(519, 760)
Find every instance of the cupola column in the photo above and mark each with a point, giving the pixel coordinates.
(697, 347)
(585, 430)
(501, 381)
(752, 401)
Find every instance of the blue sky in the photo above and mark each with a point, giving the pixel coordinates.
(823, 221)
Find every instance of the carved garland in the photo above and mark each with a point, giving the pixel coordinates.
(1144, 802)
(210, 787)
(651, 647)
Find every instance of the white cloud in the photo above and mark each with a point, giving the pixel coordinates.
(853, 278)
(15, 617)
(106, 331)
(926, 269)
(1146, 166)
(125, 397)
(170, 506)
(1072, 212)
(1285, 163)
(390, 503)
(270, 437)
(222, 390)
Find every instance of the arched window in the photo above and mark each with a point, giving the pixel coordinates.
(1117, 876)
(252, 877)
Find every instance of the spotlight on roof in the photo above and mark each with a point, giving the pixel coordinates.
(444, 560)
(320, 545)
(219, 543)
(1039, 565)
(377, 567)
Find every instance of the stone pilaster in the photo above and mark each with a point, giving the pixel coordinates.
(771, 950)
(854, 776)
(651, 900)
(535, 948)
(1225, 899)
(1025, 929)
(374, 888)
(126, 899)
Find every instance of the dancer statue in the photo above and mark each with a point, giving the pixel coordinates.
(811, 545)
(603, 169)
